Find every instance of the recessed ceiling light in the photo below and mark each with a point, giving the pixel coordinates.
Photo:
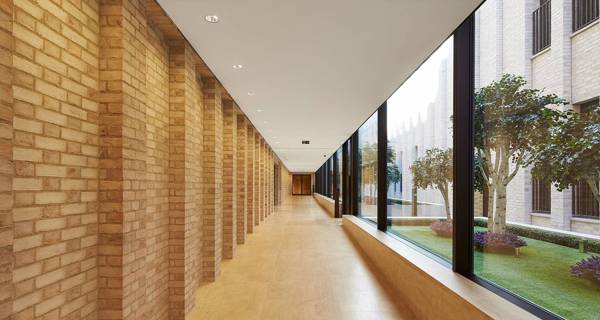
(259, 110)
(250, 93)
(265, 122)
(212, 19)
(237, 66)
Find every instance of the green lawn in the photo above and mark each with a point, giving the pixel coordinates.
(540, 274)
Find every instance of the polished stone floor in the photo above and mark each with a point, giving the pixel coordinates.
(298, 264)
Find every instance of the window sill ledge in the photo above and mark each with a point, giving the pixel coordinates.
(542, 215)
(582, 30)
(586, 220)
(541, 53)
(428, 288)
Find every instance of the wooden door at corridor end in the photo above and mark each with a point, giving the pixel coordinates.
(301, 184)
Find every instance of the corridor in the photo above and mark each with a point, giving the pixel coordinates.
(299, 265)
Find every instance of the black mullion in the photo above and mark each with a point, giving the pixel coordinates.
(336, 189)
(382, 167)
(345, 201)
(462, 244)
(354, 181)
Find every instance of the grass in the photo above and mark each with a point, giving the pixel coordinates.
(540, 274)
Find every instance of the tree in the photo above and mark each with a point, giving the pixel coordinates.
(434, 169)
(393, 172)
(572, 151)
(510, 122)
(368, 160)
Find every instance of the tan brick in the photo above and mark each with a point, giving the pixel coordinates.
(27, 154)
(50, 197)
(44, 252)
(50, 224)
(27, 272)
(49, 278)
(50, 143)
(27, 184)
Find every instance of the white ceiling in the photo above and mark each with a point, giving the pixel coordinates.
(318, 68)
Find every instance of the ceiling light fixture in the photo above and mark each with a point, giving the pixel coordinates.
(237, 66)
(259, 110)
(211, 18)
(250, 93)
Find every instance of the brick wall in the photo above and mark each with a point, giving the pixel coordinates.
(6, 166)
(251, 181)
(157, 175)
(212, 212)
(258, 189)
(229, 178)
(242, 174)
(56, 159)
(126, 170)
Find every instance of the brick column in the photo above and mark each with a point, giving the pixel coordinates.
(257, 179)
(271, 184)
(6, 165)
(229, 179)
(212, 213)
(263, 173)
(241, 176)
(185, 175)
(122, 167)
(250, 181)
(122, 195)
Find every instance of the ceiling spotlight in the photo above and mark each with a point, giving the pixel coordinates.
(250, 93)
(259, 110)
(237, 66)
(212, 19)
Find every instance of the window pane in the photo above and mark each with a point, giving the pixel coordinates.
(537, 232)
(367, 176)
(420, 155)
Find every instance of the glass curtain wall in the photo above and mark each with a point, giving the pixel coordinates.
(530, 228)
(537, 155)
(419, 155)
(367, 169)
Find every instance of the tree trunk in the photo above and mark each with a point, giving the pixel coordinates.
(486, 200)
(593, 184)
(446, 204)
(414, 200)
(499, 221)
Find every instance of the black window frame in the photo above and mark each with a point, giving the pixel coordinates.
(463, 162)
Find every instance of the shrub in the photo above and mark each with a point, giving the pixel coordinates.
(588, 268)
(562, 239)
(442, 228)
(501, 242)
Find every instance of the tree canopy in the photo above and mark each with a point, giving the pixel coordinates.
(434, 170)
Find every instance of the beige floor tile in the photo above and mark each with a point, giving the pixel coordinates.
(298, 264)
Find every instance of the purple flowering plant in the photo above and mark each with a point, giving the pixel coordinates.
(497, 241)
(588, 268)
(442, 228)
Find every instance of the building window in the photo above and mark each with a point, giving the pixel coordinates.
(584, 203)
(540, 195)
(584, 13)
(541, 27)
